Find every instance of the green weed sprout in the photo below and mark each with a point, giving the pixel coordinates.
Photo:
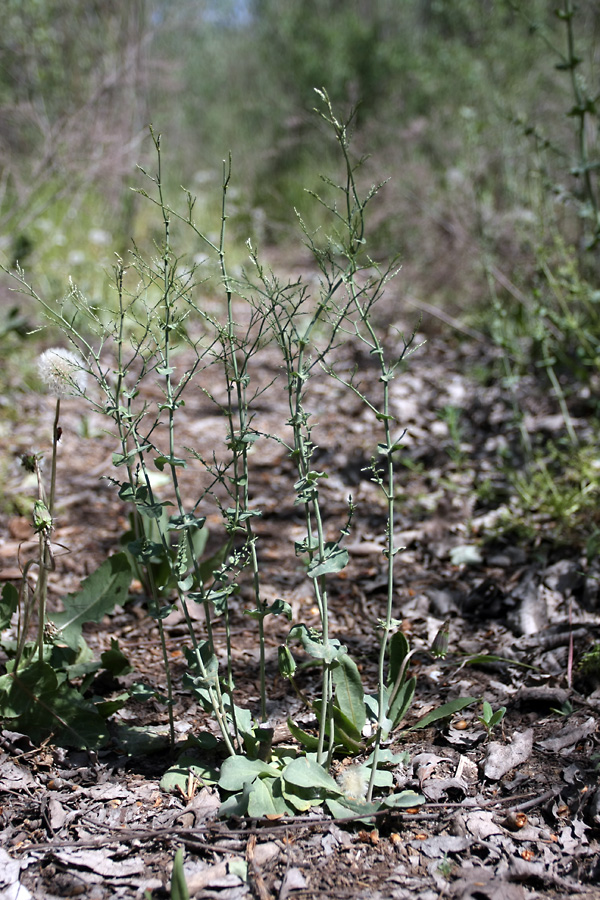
(488, 718)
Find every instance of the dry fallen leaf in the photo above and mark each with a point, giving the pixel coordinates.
(501, 758)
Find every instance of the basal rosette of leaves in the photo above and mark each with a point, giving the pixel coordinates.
(292, 783)
(53, 697)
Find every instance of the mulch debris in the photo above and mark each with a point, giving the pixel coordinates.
(508, 817)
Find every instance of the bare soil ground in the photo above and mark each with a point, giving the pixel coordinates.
(514, 817)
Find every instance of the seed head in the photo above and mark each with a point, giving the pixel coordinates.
(354, 782)
(62, 371)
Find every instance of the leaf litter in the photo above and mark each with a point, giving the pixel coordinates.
(508, 816)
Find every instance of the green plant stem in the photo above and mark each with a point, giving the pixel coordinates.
(312, 515)
(362, 300)
(55, 440)
(582, 111)
(237, 379)
(165, 655)
(45, 558)
(171, 405)
(390, 553)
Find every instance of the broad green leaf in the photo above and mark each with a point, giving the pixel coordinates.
(203, 740)
(159, 612)
(305, 773)
(220, 599)
(295, 802)
(126, 459)
(280, 607)
(398, 650)
(8, 604)
(239, 867)
(186, 521)
(327, 652)
(243, 716)
(384, 778)
(140, 496)
(304, 737)
(237, 771)
(129, 493)
(344, 807)
(261, 802)
(63, 656)
(498, 716)
(107, 708)
(237, 804)
(444, 711)
(402, 701)
(72, 720)
(80, 670)
(161, 461)
(285, 661)
(200, 681)
(147, 551)
(309, 480)
(142, 692)
(99, 593)
(344, 731)
(245, 726)
(388, 757)
(404, 800)
(178, 775)
(19, 691)
(349, 692)
(372, 707)
(39, 705)
(179, 889)
(334, 560)
(153, 510)
(115, 661)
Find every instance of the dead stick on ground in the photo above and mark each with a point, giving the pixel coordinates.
(261, 888)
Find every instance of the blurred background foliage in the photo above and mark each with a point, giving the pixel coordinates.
(460, 104)
(483, 115)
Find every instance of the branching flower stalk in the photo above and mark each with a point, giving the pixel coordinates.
(169, 322)
(142, 339)
(81, 322)
(62, 372)
(237, 347)
(387, 448)
(584, 112)
(294, 325)
(362, 301)
(298, 372)
(237, 351)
